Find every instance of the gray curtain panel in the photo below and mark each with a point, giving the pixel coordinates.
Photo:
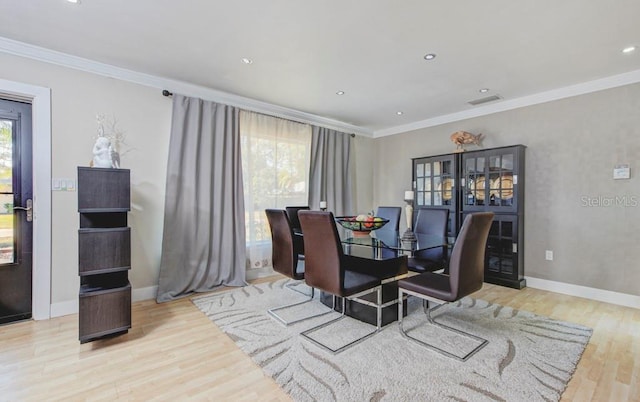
(203, 244)
(330, 176)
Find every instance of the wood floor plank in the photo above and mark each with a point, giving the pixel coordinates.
(174, 352)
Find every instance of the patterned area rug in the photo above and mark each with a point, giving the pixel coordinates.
(528, 358)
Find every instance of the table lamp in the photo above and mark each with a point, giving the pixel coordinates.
(408, 235)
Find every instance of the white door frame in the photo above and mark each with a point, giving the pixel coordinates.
(40, 98)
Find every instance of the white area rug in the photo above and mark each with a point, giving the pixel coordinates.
(528, 358)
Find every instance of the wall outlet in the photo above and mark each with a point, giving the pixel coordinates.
(548, 255)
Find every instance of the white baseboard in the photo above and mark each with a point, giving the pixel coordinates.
(259, 273)
(72, 306)
(64, 308)
(606, 296)
(144, 293)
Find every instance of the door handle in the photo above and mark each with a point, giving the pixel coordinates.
(28, 209)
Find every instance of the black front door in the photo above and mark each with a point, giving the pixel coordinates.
(16, 211)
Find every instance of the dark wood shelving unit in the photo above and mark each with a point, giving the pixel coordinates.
(477, 181)
(104, 252)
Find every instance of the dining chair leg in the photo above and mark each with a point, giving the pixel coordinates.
(378, 290)
(431, 320)
(274, 314)
(293, 285)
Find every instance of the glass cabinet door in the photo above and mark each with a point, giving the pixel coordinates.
(501, 180)
(474, 179)
(489, 180)
(434, 182)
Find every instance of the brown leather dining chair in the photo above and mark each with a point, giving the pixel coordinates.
(466, 275)
(327, 268)
(430, 221)
(298, 242)
(285, 258)
(292, 213)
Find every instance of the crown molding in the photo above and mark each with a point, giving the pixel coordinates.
(613, 81)
(66, 60)
(184, 88)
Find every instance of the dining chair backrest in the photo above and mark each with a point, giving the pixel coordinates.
(292, 213)
(285, 259)
(432, 221)
(323, 251)
(393, 215)
(466, 266)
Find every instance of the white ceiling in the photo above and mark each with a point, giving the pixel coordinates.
(304, 51)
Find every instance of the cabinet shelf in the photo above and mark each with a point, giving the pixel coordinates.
(105, 270)
(89, 290)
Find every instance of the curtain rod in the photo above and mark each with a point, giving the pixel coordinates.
(167, 93)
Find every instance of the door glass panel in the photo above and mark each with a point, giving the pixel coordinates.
(427, 169)
(7, 252)
(447, 189)
(437, 198)
(470, 165)
(420, 200)
(420, 184)
(480, 165)
(420, 170)
(507, 229)
(446, 167)
(436, 169)
(507, 162)
(494, 163)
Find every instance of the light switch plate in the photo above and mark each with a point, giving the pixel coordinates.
(63, 184)
(621, 172)
(71, 185)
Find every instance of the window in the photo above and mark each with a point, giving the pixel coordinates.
(275, 168)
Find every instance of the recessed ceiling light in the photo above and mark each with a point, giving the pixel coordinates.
(74, 1)
(628, 49)
(340, 93)
(484, 90)
(247, 60)
(399, 112)
(429, 56)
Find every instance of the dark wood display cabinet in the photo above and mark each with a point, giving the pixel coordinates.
(104, 252)
(481, 180)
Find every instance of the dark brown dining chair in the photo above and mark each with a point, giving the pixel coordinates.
(430, 221)
(285, 258)
(388, 232)
(298, 242)
(466, 275)
(392, 214)
(327, 268)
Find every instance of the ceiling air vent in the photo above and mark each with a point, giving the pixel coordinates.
(484, 100)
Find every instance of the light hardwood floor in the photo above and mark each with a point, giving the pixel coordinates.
(173, 352)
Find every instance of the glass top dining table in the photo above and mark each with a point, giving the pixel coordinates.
(390, 243)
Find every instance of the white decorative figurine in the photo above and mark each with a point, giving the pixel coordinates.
(102, 153)
(106, 151)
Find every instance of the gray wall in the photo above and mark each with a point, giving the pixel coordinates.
(572, 147)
